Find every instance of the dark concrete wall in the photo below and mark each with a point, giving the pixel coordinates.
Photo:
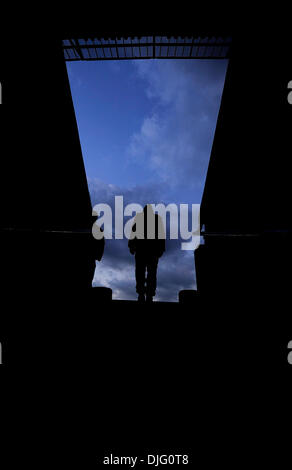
(43, 181)
(248, 185)
(248, 181)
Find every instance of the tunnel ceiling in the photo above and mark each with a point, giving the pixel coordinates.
(123, 46)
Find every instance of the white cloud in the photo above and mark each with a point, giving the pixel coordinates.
(107, 276)
(176, 139)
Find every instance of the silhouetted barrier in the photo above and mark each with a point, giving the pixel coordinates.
(101, 294)
(187, 296)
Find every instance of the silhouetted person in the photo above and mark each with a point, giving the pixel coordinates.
(147, 243)
(96, 248)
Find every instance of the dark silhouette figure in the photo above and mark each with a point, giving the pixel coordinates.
(98, 242)
(96, 247)
(147, 243)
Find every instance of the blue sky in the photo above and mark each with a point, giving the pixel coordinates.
(146, 130)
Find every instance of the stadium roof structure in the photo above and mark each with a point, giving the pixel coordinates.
(147, 46)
